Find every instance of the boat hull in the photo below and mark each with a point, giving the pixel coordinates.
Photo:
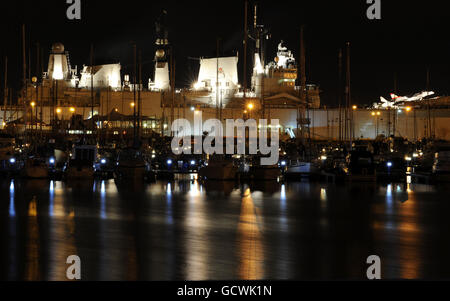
(131, 173)
(226, 173)
(36, 172)
(265, 174)
(79, 173)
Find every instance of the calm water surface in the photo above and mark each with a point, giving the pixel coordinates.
(185, 230)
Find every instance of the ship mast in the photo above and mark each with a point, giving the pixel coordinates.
(139, 95)
(394, 126)
(428, 105)
(339, 92)
(245, 50)
(217, 80)
(24, 79)
(302, 62)
(134, 93)
(5, 90)
(348, 119)
(92, 88)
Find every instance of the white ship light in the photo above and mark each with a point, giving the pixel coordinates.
(197, 85)
(58, 68)
(12, 160)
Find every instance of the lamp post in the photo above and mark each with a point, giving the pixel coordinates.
(407, 109)
(377, 116)
(33, 104)
(250, 107)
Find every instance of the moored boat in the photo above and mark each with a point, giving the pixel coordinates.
(81, 164)
(131, 165)
(220, 168)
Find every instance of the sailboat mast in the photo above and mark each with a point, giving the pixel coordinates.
(5, 90)
(172, 105)
(349, 119)
(339, 92)
(394, 126)
(92, 87)
(302, 63)
(428, 105)
(134, 91)
(139, 95)
(217, 79)
(245, 50)
(24, 79)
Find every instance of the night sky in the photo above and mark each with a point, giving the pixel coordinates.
(410, 37)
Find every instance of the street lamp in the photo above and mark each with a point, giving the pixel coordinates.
(32, 104)
(377, 115)
(250, 107)
(407, 109)
(72, 110)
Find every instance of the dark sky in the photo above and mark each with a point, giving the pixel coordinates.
(411, 36)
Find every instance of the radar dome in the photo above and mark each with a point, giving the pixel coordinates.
(58, 48)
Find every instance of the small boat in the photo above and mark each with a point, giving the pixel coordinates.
(220, 168)
(9, 161)
(441, 166)
(297, 169)
(105, 165)
(361, 167)
(392, 167)
(81, 164)
(131, 165)
(260, 172)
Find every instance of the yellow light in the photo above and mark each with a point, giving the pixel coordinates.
(33, 104)
(250, 106)
(373, 113)
(408, 109)
(72, 110)
(58, 111)
(132, 104)
(355, 107)
(245, 112)
(117, 110)
(379, 113)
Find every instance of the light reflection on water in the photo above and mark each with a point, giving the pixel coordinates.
(250, 250)
(218, 230)
(197, 246)
(12, 206)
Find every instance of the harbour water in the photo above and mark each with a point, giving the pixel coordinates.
(186, 230)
